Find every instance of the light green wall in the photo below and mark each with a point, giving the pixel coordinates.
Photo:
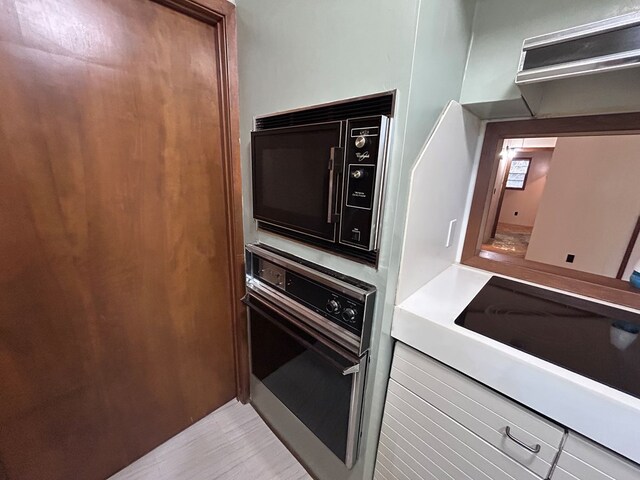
(499, 28)
(304, 52)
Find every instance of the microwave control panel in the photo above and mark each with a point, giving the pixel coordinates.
(365, 150)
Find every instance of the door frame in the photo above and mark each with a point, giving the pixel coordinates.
(222, 15)
(503, 187)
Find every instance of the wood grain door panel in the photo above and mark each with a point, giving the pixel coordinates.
(115, 291)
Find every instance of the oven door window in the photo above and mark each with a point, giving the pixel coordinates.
(306, 376)
(291, 177)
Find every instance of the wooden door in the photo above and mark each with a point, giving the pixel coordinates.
(116, 255)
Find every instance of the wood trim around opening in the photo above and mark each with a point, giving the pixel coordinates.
(595, 286)
(222, 15)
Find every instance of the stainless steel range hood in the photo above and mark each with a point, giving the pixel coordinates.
(587, 69)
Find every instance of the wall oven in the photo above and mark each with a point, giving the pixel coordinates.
(322, 182)
(308, 346)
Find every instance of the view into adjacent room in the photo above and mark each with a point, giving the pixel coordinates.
(545, 187)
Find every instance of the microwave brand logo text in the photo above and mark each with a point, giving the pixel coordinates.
(362, 156)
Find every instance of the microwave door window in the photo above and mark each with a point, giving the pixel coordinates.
(291, 178)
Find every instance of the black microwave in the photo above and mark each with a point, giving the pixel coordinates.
(322, 183)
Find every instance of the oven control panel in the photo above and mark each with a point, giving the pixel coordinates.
(341, 309)
(364, 167)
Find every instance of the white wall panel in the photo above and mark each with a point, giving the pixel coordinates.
(440, 184)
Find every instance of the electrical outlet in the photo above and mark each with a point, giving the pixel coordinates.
(452, 230)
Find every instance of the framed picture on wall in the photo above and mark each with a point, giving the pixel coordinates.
(518, 171)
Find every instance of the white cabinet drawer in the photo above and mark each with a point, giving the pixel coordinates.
(479, 409)
(582, 459)
(419, 441)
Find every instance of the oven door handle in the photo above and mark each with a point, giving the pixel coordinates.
(247, 300)
(334, 168)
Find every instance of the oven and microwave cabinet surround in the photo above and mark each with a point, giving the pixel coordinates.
(439, 423)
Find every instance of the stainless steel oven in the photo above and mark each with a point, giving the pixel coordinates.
(306, 330)
(322, 183)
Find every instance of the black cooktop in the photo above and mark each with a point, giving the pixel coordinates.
(594, 340)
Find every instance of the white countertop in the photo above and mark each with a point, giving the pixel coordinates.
(425, 321)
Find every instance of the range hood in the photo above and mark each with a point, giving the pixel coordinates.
(592, 68)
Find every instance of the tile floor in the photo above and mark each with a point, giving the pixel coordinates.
(231, 443)
(510, 239)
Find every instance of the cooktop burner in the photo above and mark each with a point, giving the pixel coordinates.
(594, 340)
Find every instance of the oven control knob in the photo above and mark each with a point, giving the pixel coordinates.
(333, 306)
(361, 142)
(349, 315)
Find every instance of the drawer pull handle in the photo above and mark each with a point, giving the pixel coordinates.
(534, 449)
